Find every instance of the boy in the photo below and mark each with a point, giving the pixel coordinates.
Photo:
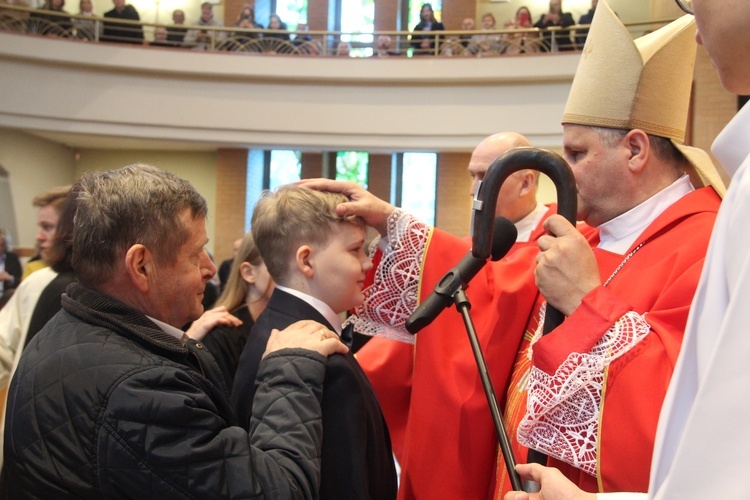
(319, 263)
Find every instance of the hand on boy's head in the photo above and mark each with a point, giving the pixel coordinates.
(364, 204)
(306, 335)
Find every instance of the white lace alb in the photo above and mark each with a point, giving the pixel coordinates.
(393, 296)
(562, 410)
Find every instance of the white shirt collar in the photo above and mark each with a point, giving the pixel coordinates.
(527, 225)
(168, 329)
(320, 306)
(619, 234)
(731, 146)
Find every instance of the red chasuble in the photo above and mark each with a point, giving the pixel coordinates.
(430, 392)
(610, 362)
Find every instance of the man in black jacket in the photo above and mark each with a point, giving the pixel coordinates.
(122, 32)
(556, 18)
(111, 400)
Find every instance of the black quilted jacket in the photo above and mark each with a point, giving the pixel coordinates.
(104, 404)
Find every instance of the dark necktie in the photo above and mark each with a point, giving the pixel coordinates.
(347, 335)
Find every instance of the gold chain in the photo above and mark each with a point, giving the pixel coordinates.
(627, 258)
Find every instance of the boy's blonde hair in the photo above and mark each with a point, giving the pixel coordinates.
(292, 216)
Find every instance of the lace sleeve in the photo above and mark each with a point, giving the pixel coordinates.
(562, 410)
(394, 294)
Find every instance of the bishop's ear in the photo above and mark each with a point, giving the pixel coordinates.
(639, 149)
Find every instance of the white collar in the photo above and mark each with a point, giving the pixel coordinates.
(731, 146)
(169, 329)
(527, 225)
(320, 306)
(619, 234)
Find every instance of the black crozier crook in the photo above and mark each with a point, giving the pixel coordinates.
(483, 216)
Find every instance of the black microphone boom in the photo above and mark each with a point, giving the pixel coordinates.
(458, 277)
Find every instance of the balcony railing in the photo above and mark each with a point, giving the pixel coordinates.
(477, 43)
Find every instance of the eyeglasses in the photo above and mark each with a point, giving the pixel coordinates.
(686, 5)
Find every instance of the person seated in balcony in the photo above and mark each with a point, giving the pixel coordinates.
(120, 32)
(205, 39)
(556, 18)
(517, 43)
(343, 49)
(467, 24)
(383, 47)
(52, 21)
(240, 40)
(160, 38)
(275, 23)
(245, 21)
(248, 13)
(176, 32)
(304, 42)
(488, 44)
(85, 28)
(425, 44)
(302, 36)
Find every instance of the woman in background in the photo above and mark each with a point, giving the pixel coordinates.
(521, 42)
(425, 44)
(247, 292)
(275, 23)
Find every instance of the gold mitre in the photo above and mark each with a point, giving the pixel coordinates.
(645, 84)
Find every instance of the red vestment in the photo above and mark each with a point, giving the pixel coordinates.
(621, 398)
(430, 392)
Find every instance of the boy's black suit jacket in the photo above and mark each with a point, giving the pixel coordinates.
(357, 460)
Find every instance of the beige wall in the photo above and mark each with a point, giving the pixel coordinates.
(628, 10)
(33, 165)
(197, 167)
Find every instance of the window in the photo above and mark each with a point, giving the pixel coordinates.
(292, 12)
(358, 16)
(352, 166)
(268, 170)
(255, 182)
(413, 185)
(284, 167)
(418, 183)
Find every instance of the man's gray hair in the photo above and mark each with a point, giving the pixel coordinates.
(120, 208)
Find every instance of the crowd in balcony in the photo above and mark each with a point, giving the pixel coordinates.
(554, 31)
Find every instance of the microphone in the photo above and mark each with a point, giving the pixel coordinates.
(458, 277)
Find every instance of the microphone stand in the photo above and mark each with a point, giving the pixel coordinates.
(463, 305)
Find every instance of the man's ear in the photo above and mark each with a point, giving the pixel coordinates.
(303, 258)
(639, 146)
(139, 264)
(527, 182)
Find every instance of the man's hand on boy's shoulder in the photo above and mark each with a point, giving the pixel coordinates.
(363, 204)
(306, 335)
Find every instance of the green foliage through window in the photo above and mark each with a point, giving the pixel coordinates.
(352, 166)
(292, 12)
